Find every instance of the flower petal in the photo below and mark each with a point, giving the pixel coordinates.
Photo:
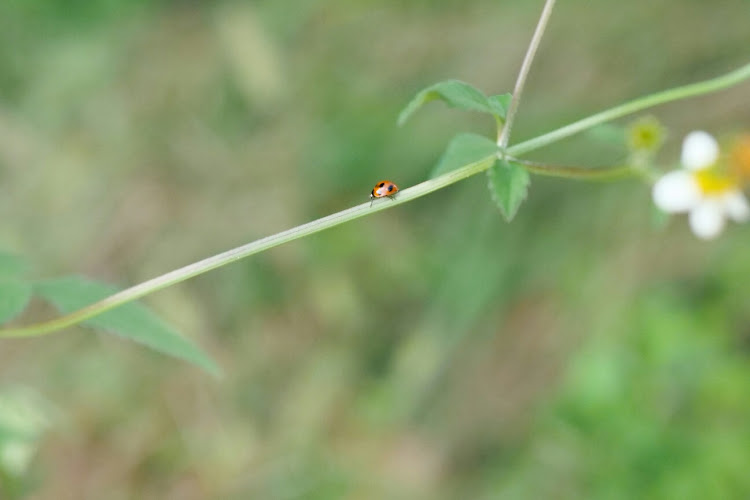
(676, 192)
(699, 150)
(736, 206)
(707, 219)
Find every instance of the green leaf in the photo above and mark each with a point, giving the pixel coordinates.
(133, 321)
(509, 185)
(456, 94)
(14, 295)
(462, 150)
(12, 265)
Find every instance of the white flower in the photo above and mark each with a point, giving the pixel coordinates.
(708, 196)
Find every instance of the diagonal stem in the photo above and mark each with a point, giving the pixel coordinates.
(404, 196)
(630, 107)
(502, 140)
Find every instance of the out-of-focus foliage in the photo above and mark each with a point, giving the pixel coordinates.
(430, 351)
(24, 417)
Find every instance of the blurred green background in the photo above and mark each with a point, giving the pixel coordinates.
(431, 351)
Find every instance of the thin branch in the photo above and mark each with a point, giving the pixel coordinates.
(224, 258)
(504, 137)
(609, 173)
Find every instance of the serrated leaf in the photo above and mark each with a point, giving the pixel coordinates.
(456, 94)
(12, 265)
(462, 150)
(509, 185)
(14, 295)
(133, 321)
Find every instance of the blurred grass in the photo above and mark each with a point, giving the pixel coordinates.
(427, 352)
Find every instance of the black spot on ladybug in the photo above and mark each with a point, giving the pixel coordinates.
(390, 188)
(381, 184)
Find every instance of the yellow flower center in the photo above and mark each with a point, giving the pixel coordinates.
(712, 182)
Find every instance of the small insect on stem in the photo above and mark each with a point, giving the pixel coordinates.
(383, 189)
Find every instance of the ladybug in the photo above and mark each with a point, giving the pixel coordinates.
(383, 189)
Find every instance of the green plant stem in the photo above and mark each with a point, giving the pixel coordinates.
(611, 173)
(224, 258)
(675, 94)
(403, 196)
(504, 137)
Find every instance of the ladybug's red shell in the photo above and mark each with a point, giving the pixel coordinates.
(383, 189)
